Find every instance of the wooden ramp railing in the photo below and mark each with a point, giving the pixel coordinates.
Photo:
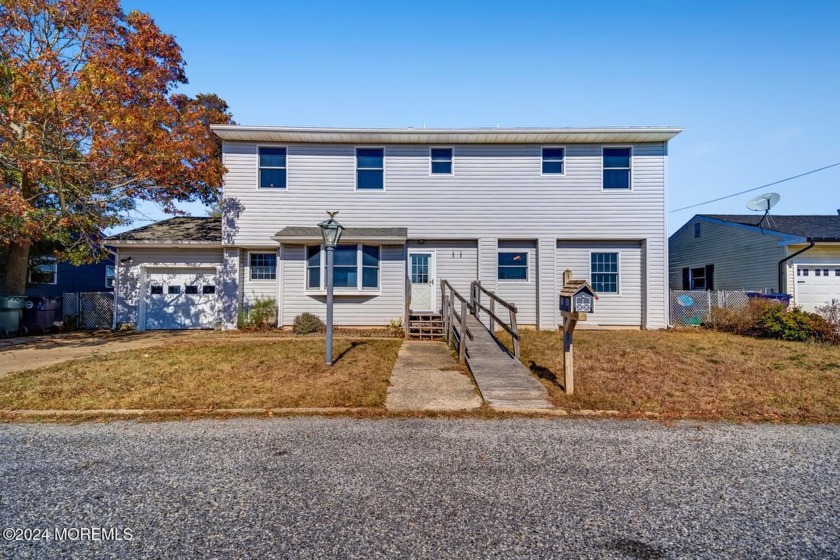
(455, 308)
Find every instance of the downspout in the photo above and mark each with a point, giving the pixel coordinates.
(782, 283)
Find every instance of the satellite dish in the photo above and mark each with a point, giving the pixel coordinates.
(764, 202)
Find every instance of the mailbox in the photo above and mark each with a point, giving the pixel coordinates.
(577, 296)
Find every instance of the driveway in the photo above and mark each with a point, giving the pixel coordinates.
(19, 354)
(345, 488)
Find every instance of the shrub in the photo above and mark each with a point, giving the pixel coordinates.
(740, 320)
(831, 313)
(307, 323)
(797, 325)
(260, 315)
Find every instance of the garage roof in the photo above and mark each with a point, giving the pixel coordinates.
(297, 234)
(599, 135)
(181, 230)
(815, 228)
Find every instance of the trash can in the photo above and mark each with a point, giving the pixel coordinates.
(10, 307)
(784, 299)
(40, 313)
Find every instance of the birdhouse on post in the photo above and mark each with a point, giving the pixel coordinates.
(577, 298)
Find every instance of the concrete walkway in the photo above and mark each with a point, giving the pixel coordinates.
(426, 377)
(504, 382)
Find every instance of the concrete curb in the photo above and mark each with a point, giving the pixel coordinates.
(138, 412)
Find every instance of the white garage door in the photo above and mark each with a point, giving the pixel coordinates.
(816, 284)
(181, 299)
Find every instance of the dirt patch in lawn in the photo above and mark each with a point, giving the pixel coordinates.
(691, 373)
(212, 374)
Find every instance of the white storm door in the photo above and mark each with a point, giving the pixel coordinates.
(421, 270)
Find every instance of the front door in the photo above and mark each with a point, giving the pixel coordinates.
(422, 274)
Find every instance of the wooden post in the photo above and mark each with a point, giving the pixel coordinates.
(451, 314)
(569, 324)
(492, 310)
(443, 297)
(462, 349)
(444, 313)
(515, 329)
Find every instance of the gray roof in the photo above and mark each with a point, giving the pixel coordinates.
(181, 229)
(598, 135)
(815, 228)
(291, 234)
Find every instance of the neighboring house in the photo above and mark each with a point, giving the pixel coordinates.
(50, 277)
(797, 255)
(512, 208)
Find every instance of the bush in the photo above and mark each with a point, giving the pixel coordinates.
(831, 313)
(794, 324)
(307, 323)
(260, 315)
(740, 320)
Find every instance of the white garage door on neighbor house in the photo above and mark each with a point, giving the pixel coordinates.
(181, 299)
(816, 284)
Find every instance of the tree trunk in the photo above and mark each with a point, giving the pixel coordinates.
(17, 267)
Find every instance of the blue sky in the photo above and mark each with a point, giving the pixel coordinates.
(755, 84)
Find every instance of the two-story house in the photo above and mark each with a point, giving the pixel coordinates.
(512, 208)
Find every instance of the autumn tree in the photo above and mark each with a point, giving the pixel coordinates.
(90, 124)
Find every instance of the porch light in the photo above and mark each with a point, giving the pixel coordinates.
(331, 230)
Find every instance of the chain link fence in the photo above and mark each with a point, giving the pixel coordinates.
(89, 310)
(694, 307)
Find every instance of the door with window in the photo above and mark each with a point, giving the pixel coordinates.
(421, 270)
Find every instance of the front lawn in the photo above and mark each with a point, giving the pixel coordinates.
(209, 374)
(691, 373)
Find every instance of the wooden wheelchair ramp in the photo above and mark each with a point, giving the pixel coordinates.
(505, 383)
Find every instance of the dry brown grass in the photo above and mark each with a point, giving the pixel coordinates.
(692, 373)
(212, 374)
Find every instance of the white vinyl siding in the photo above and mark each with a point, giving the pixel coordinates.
(743, 259)
(523, 293)
(251, 288)
(375, 308)
(821, 256)
(623, 308)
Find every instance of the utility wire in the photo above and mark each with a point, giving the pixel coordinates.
(757, 188)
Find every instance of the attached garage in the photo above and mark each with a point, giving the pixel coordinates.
(180, 298)
(816, 284)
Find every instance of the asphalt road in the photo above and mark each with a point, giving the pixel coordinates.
(344, 488)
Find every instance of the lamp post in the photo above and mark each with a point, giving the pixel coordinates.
(331, 230)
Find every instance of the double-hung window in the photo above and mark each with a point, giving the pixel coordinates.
(617, 168)
(43, 270)
(370, 169)
(263, 266)
(272, 168)
(553, 161)
(110, 273)
(604, 272)
(355, 267)
(441, 161)
(513, 265)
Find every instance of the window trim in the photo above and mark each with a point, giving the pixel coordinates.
(50, 260)
(617, 272)
(527, 279)
(251, 269)
(113, 276)
(356, 167)
(632, 175)
(261, 188)
(691, 285)
(542, 161)
(359, 289)
(451, 161)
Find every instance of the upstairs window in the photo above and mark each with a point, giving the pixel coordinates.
(263, 266)
(43, 270)
(697, 230)
(272, 168)
(513, 266)
(110, 273)
(441, 161)
(553, 161)
(604, 272)
(617, 172)
(370, 169)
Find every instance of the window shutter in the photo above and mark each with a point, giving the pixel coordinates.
(686, 280)
(710, 277)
